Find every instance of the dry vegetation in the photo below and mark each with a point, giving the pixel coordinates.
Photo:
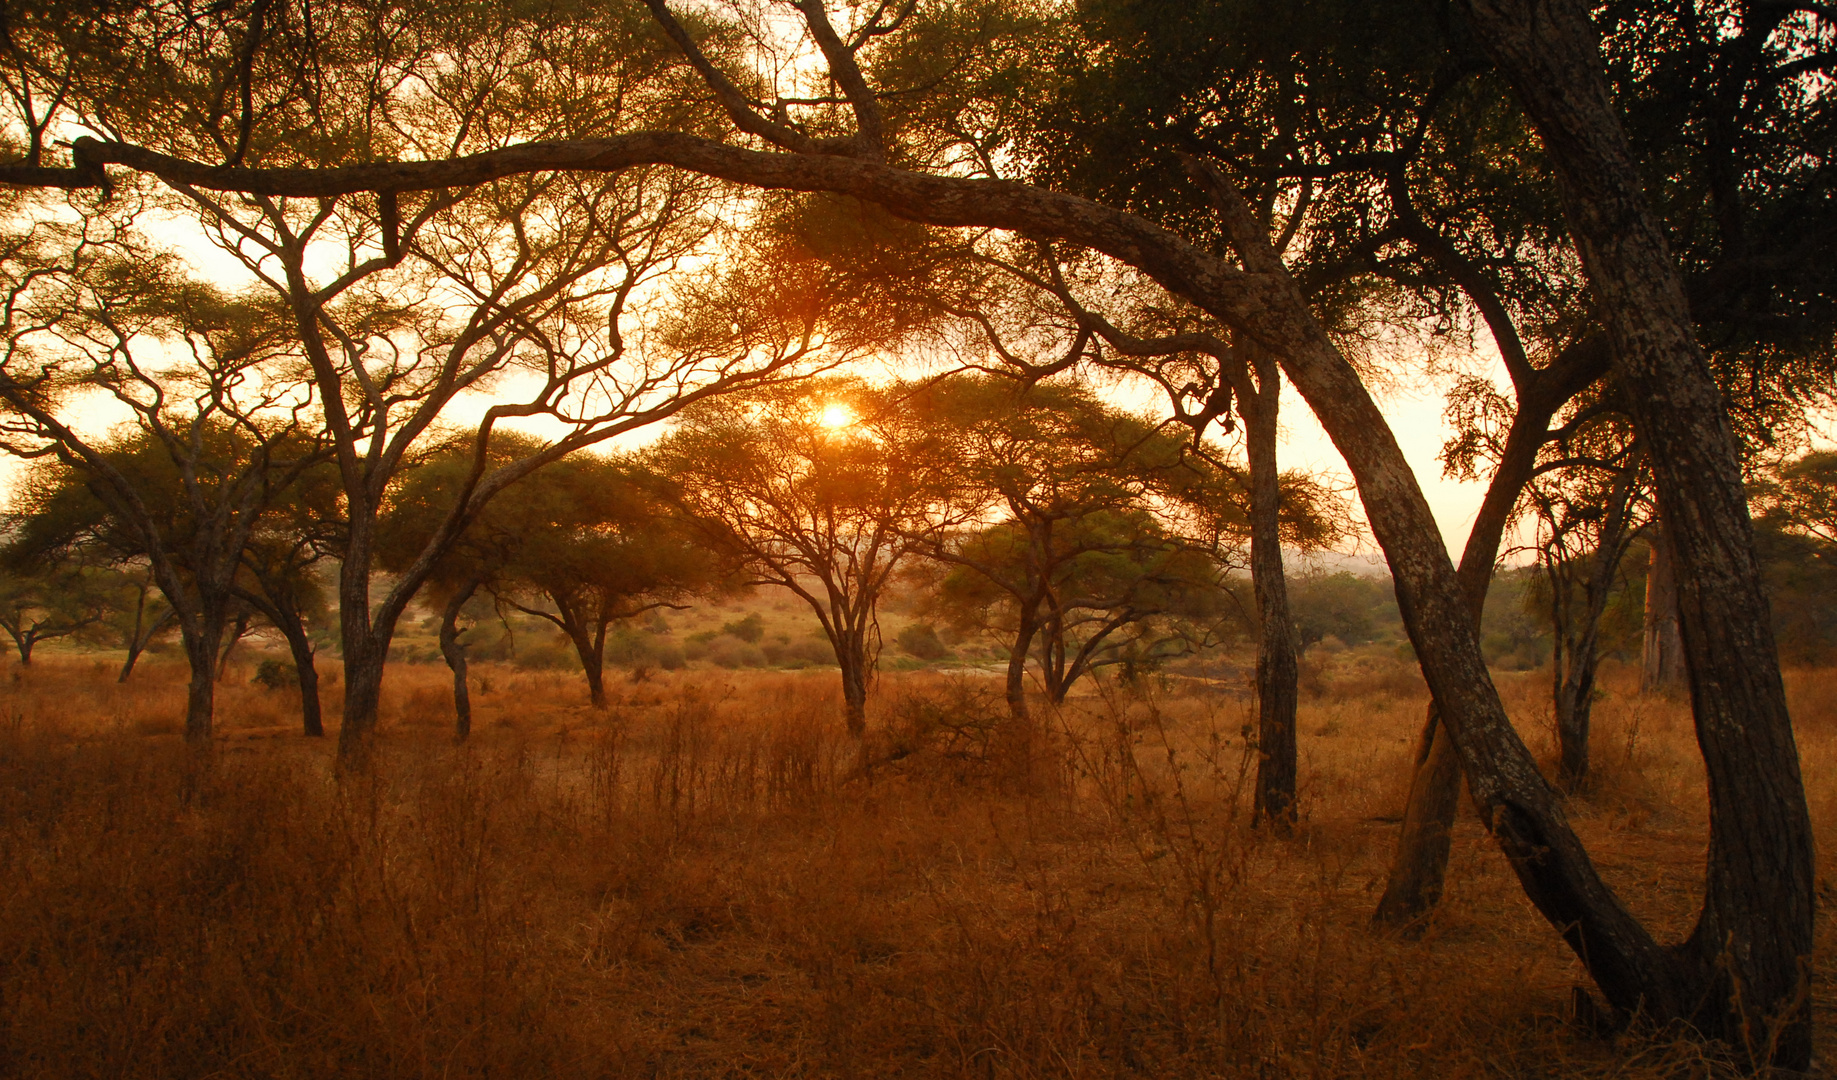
(707, 880)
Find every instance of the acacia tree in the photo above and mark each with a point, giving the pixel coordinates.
(213, 436)
(824, 489)
(583, 544)
(1587, 514)
(42, 600)
(141, 621)
(1747, 958)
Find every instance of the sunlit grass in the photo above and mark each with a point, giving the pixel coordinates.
(709, 879)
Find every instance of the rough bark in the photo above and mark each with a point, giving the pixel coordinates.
(1662, 646)
(200, 697)
(1015, 686)
(1278, 669)
(851, 655)
(1743, 973)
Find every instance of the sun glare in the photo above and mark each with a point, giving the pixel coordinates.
(836, 415)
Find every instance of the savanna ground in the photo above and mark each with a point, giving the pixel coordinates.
(706, 880)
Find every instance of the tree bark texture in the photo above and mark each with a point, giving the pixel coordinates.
(1661, 646)
(1278, 666)
(1743, 974)
(851, 656)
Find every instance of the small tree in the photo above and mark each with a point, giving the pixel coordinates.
(40, 601)
(823, 489)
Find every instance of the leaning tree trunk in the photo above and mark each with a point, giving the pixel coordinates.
(1278, 670)
(1743, 974)
(306, 668)
(1661, 647)
(1420, 866)
(455, 654)
(24, 643)
(237, 633)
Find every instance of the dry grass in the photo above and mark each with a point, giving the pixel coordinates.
(707, 879)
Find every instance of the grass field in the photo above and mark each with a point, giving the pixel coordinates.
(709, 879)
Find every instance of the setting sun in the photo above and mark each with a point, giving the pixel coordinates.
(836, 415)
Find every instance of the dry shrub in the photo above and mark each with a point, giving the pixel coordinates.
(703, 880)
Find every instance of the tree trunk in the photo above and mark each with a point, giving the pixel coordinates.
(1662, 647)
(455, 654)
(591, 651)
(24, 643)
(1016, 683)
(1575, 681)
(139, 642)
(200, 698)
(1420, 866)
(851, 656)
(363, 691)
(306, 668)
(1745, 969)
(237, 633)
(1278, 672)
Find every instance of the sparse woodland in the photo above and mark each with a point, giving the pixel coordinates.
(753, 538)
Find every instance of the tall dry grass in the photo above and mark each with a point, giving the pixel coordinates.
(709, 879)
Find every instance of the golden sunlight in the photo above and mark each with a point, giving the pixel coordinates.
(836, 415)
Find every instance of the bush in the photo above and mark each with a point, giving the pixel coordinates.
(921, 640)
(276, 674)
(548, 655)
(669, 656)
(750, 629)
(733, 653)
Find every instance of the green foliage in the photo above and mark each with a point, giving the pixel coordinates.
(921, 639)
(275, 674)
(1342, 605)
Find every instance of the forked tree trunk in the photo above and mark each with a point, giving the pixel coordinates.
(1278, 670)
(1744, 974)
(1661, 646)
(590, 649)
